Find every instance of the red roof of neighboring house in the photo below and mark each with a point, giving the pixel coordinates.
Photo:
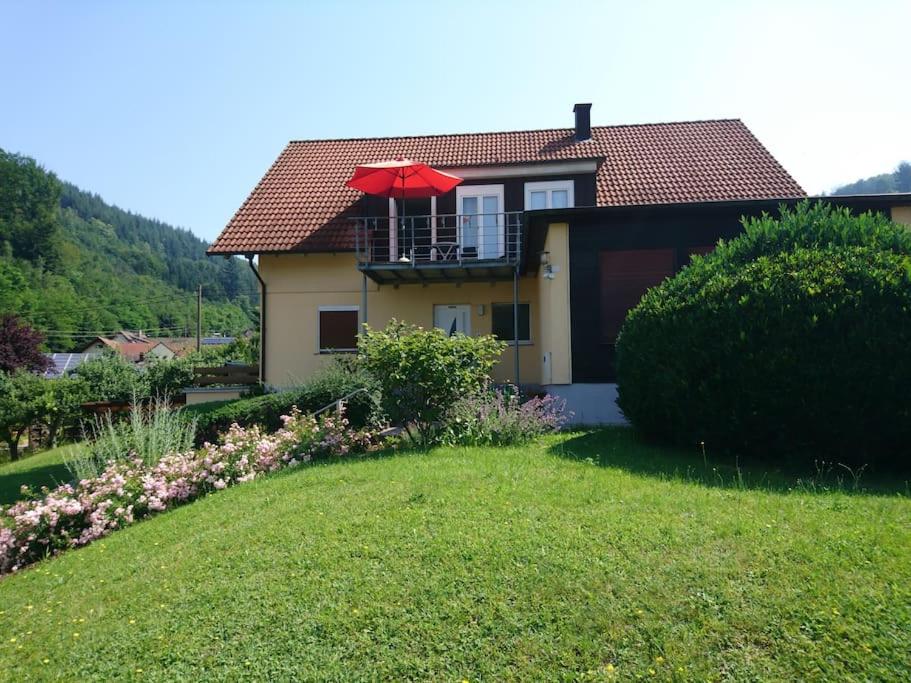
(302, 203)
(134, 351)
(181, 346)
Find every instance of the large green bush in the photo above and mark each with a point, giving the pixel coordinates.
(422, 373)
(110, 377)
(336, 380)
(794, 338)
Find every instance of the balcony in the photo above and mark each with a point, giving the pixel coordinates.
(439, 248)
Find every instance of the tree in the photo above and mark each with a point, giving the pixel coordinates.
(903, 177)
(111, 378)
(885, 183)
(22, 400)
(166, 378)
(20, 346)
(29, 198)
(61, 404)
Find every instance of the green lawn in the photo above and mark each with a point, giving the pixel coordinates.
(41, 469)
(582, 558)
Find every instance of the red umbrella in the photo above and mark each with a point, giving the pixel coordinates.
(402, 179)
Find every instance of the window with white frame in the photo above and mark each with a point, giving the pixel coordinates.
(337, 328)
(549, 194)
(480, 231)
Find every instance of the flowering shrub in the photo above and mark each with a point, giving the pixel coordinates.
(127, 490)
(499, 417)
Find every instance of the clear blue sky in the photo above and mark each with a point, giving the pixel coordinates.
(175, 109)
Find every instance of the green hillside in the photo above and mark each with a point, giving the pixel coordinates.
(75, 266)
(898, 180)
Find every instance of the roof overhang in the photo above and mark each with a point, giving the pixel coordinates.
(547, 168)
(537, 222)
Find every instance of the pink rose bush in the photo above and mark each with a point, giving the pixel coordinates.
(74, 515)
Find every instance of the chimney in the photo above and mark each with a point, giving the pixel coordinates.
(583, 112)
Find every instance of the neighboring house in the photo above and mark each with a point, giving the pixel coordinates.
(64, 363)
(100, 345)
(135, 352)
(138, 348)
(160, 350)
(131, 346)
(127, 337)
(568, 227)
(181, 346)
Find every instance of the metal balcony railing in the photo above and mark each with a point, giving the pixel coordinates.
(438, 241)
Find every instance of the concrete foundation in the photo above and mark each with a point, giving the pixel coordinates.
(591, 404)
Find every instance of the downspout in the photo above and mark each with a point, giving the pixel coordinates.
(262, 320)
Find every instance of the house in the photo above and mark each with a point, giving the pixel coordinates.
(99, 345)
(133, 347)
(114, 341)
(548, 241)
(159, 350)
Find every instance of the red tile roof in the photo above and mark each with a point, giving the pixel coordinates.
(301, 204)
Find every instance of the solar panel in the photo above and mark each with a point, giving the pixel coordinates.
(216, 341)
(64, 363)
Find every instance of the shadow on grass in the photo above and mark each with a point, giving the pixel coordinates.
(623, 448)
(49, 475)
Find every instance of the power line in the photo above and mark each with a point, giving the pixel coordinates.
(154, 300)
(95, 333)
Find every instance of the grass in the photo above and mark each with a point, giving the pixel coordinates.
(589, 556)
(40, 469)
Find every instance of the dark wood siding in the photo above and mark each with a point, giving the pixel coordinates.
(514, 191)
(625, 276)
(686, 230)
(660, 240)
(513, 195)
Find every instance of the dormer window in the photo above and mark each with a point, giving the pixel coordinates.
(549, 194)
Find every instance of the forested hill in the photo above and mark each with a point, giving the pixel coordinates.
(175, 255)
(898, 180)
(75, 266)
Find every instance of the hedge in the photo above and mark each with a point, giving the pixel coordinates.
(337, 380)
(801, 352)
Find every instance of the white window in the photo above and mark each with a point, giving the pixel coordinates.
(549, 194)
(480, 223)
(337, 328)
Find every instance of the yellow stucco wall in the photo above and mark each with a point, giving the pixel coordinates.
(298, 284)
(901, 214)
(553, 295)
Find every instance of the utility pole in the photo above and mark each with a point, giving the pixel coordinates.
(199, 319)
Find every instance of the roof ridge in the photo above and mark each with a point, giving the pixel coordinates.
(508, 132)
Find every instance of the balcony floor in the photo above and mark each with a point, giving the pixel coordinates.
(425, 273)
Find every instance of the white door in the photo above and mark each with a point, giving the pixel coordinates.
(480, 209)
(453, 318)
